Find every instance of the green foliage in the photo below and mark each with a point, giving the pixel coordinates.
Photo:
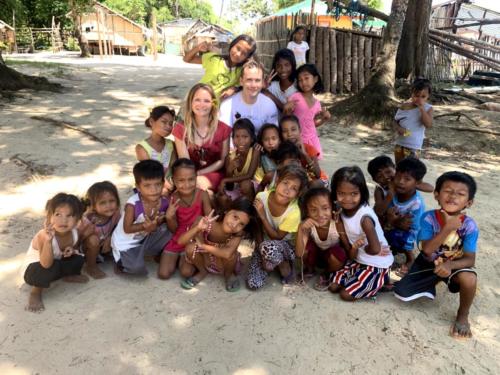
(252, 9)
(281, 4)
(375, 4)
(133, 9)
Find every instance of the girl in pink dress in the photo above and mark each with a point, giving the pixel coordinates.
(202, 138)
(186, 205)
(306, 107)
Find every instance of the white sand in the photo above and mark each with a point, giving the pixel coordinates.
(133, 325)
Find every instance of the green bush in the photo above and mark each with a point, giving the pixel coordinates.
(72, 44)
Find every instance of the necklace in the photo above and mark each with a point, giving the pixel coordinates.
(186, 202)
(199, 135)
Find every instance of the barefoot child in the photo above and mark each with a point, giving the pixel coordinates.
(369, 254)
(448, 242)
(141, 230)
(52, 254)
(156, 146)
(241, 164)
(411, 120)
(187, 203)
(290, 131)
(298, 45)
(306, 107)
(269, 139)
(212, 245)
(223, 72)
(405, 210)
(279, 214)
(98, 223)
(282, 76)
(319, 235)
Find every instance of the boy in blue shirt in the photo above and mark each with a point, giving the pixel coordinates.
(403, 213)
(448, 242)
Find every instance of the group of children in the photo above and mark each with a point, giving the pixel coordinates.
(275, 195)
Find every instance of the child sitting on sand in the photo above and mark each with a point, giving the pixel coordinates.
(448, 242)
(53, 254)
(141, 230)
(411, 120)
(212, 245)
(98, 223)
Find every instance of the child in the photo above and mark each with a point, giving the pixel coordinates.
(142, 230)
(241, 163)
(156, 147)
(269, 139)
(282, 84)
(319, 235)
(369, 254)
(448, 242)
(212, 245)
(411, 120)
(223, 72)
(98, 223)
(52, 254)
(298, 45)
(279, 214)
(290, 131)
(286, 154)
(382, 170)
(187, 203)
(306, 107)
(405, 209)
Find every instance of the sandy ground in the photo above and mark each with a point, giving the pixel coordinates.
(142, 326)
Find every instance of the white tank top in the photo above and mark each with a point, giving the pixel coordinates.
(331, 239)
(354, 232)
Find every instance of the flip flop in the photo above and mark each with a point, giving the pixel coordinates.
(322, 284)
(189, 283)
(233, 284)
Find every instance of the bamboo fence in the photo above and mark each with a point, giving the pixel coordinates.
(344, 58)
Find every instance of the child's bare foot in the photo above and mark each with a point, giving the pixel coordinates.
(233, 284)
(76, 279)
(461, 328)
(94, 271)
(286, 272)
(35, 303)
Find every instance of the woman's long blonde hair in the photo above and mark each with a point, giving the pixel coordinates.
(189, 123)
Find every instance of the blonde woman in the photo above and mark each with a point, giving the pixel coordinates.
(202, 137)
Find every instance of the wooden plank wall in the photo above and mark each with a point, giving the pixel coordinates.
(344, 58)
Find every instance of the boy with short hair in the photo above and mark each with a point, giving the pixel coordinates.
(382, 170)
(142, 229)
(404, 210)
(448, 241)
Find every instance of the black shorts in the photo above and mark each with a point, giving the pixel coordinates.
(421, 281)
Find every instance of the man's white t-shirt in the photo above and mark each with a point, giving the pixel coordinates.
(299, 50)
(263, 111)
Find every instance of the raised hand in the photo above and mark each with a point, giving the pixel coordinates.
(259, 207)
(206, 221)
(269, 78)
(149, 225)
(360, 242)
(452, 222)
(204, 46)
(337, 209)
(172, 208)
(49, 232)
(289, 107)
(307, 225)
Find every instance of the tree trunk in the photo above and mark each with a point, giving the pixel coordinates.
(12, 80)
(77, 30)
(376, 100)
(412, 52)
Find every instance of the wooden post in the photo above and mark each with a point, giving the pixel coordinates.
(155, 37)
(98, 33)
(340, 62)
(14, 26)
(361, 62)
(113, 31)
(32, 40)
(368, 59)
(312, 21)
(326, 59)
(52, 36)
(333, 61)
(347, 61)
(104, 32)
(312, 45)
(320, 32)
(354, 66)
